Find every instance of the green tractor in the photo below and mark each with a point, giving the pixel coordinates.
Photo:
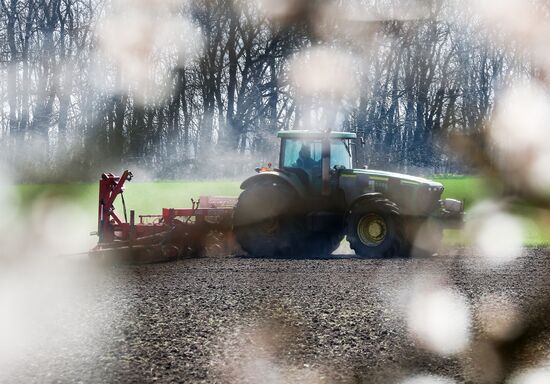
(306, 206)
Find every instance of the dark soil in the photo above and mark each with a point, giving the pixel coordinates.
(274, 321)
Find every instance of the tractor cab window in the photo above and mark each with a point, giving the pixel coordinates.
(302, 154)
(340, 154)
(306, 154)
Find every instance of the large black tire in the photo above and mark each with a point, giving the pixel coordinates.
(266, 220)
(375, 230)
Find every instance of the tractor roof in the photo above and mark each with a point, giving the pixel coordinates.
(314, 135)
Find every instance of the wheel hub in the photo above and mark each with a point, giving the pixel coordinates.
(270, 226)
(372, 229)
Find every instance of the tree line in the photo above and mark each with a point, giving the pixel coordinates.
(200, 88)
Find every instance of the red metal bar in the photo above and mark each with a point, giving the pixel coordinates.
(119, 187)
(110, 186)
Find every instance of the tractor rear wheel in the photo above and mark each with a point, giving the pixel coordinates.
(375, 230)
(266, 220)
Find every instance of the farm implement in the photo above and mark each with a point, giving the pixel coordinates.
(203, 229)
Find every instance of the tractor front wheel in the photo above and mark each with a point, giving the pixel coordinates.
(375, 230)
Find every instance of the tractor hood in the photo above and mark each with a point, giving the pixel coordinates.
(399, 176)
(415, 196)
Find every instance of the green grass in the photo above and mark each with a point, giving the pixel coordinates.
(468, 189)
(474, 189)
(151, 197)
(143, 197)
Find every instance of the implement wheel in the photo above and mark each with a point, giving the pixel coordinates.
(267, 221)
(375, 230)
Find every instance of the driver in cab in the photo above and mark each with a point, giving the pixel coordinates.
(304, 160)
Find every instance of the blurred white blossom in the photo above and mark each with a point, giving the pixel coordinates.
(514, 16)
(439, 318)
(277, 9)
(496, 234)
(9, 199)
(389, 10)
(48, 308)
(144, 41)
(323, 78)
(539, 375)
(520, 132)
(325, 72)
(61, 227)
(518, 25)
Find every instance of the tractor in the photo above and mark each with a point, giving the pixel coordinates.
(314, 198)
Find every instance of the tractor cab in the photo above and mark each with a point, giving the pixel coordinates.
(311, 155)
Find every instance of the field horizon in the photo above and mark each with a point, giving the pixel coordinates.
(149, 197)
